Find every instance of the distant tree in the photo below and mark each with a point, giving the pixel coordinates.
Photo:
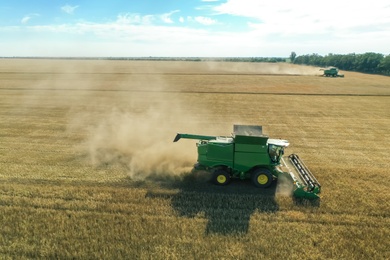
(293, 55)
(347, 61)
(368, 62)
(384, 66)
(303, 59)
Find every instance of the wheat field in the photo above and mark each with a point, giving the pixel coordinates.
(88, 169)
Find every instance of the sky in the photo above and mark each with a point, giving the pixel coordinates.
(192, 28)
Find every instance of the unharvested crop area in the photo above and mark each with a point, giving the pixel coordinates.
(88, 168)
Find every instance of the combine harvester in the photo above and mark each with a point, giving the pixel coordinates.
(332, 72)
(248, 154)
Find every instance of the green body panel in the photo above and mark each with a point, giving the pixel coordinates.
(250, 148)
(202, 149)
(252, 140)
(248, 156)
(219, 154)
(244, 162)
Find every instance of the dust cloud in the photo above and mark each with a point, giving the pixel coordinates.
(121, 125)
(140, 139)
(263, 68)
(103, 99)
(284, 186)
(119, 132)
(141, 143)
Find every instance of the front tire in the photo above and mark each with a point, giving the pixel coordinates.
(221, 177)
(262, 178)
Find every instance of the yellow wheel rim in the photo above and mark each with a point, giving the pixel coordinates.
(262, 179)
(221, 179)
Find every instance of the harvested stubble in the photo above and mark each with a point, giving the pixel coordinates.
(55, 204)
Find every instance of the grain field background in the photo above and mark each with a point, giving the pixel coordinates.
(88, 169)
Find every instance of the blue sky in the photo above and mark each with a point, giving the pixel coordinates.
(192, 28)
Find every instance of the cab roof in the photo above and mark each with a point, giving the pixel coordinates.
(278, 142)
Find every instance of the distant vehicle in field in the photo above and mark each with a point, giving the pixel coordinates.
(332, 72)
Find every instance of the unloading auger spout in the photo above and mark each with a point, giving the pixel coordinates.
(196, 137)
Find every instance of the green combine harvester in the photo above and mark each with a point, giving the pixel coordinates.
(248, 154)
(332, 72)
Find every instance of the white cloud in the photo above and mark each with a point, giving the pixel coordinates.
(202, 20)
(205, 20)
(135, 19)
(27, 18)
(301, 16)
(69, 9)
(166, 18)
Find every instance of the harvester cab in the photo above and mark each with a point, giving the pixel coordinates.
(249, 154)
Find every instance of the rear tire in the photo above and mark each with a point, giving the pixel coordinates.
(262, 178)
(221, 177)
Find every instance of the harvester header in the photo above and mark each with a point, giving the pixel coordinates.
(249, 154)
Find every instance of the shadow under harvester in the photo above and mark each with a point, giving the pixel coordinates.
(228, 209)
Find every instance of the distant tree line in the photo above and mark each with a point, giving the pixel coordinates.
(257, 59)
(368, 62)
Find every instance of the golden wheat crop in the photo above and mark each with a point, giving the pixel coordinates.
(88, 169)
